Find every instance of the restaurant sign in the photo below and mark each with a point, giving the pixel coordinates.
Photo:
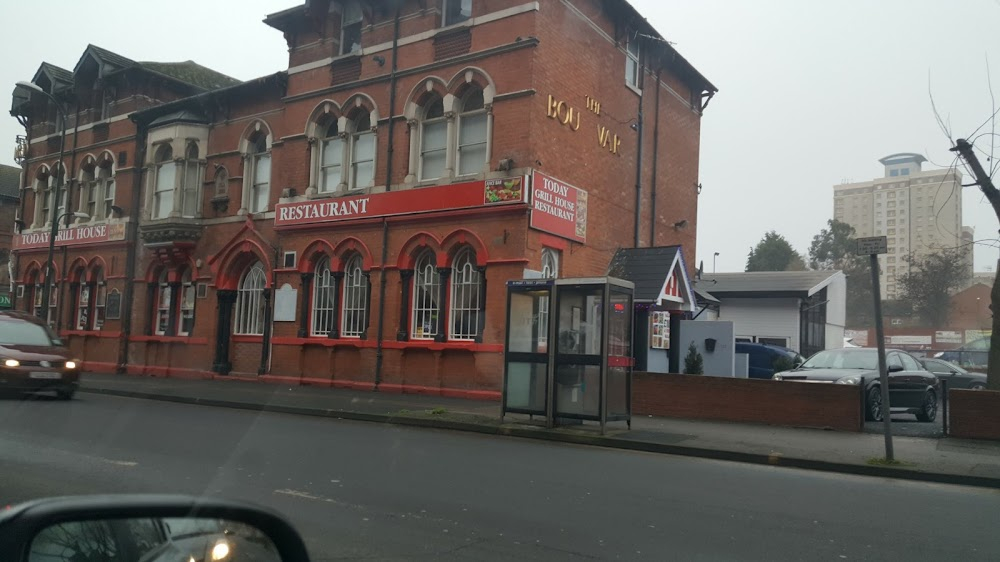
(558, 208)
(72, 236)
(417, 200)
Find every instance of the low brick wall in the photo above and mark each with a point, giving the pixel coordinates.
(785, 403)
(974, 414)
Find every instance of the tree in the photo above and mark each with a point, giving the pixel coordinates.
(694, 363)
(774, 253)
(932, 279)
(833, 248)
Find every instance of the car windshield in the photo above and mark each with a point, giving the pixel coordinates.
(16, 332)
(843, 359)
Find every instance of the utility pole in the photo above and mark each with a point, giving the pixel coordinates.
(872, 247)
(965, 150)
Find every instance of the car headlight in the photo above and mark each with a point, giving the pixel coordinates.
(71, 364)
(220, 551)
(851, 379)
(777, 377)
(11, 363)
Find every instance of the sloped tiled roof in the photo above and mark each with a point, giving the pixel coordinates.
(10, 181)
(192, 73)
(647, 268)
(109, 57)
(57, 73)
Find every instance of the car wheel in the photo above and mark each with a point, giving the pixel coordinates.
(928, 411)
(873, 411)
(65, 394)
(977, 386)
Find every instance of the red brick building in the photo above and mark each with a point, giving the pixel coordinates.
(353, 219)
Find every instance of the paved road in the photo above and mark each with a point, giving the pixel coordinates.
(374, 491)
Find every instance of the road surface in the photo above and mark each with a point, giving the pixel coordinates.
(361, 490)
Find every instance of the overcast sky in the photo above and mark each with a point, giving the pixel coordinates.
(811, 93)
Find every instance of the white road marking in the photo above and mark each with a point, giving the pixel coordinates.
(118, 463)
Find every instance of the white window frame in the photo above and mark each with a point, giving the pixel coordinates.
(459, 18)
(164, 302)
(424, 313)
(186, 304)
(632, 67)
(260, 187)
(249, 317)
(465, 294)
(323, 312)
(463, 145)
(337, 156)
(88, 194)
(441, 121)
(358, 136)
(550, 270)
(164, 184)
(191, 182)
(350, 16)
(107, 180)
(355, 300)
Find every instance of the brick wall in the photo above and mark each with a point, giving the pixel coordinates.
(747, 400)
(974, 414)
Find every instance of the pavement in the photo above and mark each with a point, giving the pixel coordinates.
(382, 491)
(942, 460)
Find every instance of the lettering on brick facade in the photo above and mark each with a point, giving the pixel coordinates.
(568, 115)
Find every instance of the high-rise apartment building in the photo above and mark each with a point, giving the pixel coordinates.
(918, 212)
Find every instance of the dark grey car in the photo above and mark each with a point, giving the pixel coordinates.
(912, 389)
(956, 376)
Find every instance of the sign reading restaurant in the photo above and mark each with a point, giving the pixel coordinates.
(463, 195)
(71, 236)
(558, 208)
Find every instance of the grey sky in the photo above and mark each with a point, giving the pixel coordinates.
(812, 93)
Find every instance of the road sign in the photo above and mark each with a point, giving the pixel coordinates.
(872, 245)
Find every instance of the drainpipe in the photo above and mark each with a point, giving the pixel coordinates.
(656, 159)
(388, 186)
(638, 154)
(132, 242)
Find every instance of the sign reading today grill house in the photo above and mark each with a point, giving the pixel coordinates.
(70, 236)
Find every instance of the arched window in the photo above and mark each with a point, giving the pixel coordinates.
(472, 134)
(164, 300)
(250, 302)
(88, 193)
(426, 293)
(186, 304)
(107, 181)
(466, 287)
(260, 187)
(331, 159)
(90, 300)
(362, 152)
(324, 313)
(433, 140)
(100, 298)
(355, 314)
(190, 201)
(83, 303)
(163, 192)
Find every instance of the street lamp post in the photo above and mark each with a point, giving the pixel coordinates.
(60, 180)
(713, 261)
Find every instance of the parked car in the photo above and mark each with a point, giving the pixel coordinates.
(974, 354)
(956, 376)
(912, 389)
(33, 359)
(765, 359)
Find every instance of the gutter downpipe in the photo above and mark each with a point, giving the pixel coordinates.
(638, 157)
(388, 187)
(132, 238)
(656, 154)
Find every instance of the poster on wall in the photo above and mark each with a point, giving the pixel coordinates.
(659, 329)
(558, 208)
(947, 336)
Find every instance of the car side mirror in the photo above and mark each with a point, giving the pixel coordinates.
(894, 369)
(148, 527)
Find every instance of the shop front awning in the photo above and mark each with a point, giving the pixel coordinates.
(659, 274)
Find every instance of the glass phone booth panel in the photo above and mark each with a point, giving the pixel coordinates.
(526, 352)
(579, 327)
(619, 380)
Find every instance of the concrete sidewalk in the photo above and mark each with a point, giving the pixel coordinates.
(943, 460)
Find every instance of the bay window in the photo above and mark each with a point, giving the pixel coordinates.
(192, 182)
(163, 190)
